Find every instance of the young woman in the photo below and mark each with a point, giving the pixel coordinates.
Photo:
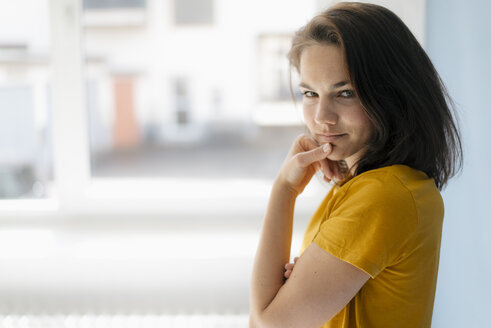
(381, 128)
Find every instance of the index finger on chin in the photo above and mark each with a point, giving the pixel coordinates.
(307, 143)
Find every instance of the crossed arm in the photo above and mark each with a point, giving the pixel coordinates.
(320, 284)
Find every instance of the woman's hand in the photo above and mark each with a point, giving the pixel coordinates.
(303, 160)
(289, 268)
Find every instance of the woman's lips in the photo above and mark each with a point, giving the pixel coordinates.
(325, 138)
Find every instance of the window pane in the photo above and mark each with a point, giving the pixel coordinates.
(25, 133)
(189, 103)
(110, 4)
(193, 12)
(273, 66)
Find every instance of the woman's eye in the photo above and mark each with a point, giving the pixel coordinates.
(347, 93)
(309, 94)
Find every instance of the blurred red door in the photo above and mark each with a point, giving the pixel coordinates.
(126, 132)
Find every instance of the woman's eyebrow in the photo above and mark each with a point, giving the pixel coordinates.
(334, 86)
(339, 84)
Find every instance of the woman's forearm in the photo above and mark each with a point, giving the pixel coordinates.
(274, 248)
(304, 158)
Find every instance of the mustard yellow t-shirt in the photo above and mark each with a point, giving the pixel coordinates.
(388, 223)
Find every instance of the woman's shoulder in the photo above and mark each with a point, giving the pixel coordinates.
(389, 176)
(396, 183)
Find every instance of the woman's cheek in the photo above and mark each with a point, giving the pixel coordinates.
(308, 113)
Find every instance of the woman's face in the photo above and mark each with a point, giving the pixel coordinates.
(332, 110)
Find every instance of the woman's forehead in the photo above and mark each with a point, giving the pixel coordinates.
(323, 64)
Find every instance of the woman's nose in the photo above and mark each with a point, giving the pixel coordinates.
(325, 115)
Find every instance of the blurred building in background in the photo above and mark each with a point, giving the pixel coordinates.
(171, 86)
(180, 85)
(25, 146)
(160, 75)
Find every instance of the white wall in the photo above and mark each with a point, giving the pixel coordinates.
(459, 43)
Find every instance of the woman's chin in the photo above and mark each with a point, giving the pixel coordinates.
(335, 157)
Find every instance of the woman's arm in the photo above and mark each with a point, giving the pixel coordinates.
(274, 248)
(318, 279)
(319, 286)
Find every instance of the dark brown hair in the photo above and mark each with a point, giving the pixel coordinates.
(398, 87)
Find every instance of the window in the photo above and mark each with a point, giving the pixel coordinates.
(193, 12)
(25, 112)
(178, 103)
(112, 4)
(163, 112)
(114, 13)
(273, 67)
(182, 101)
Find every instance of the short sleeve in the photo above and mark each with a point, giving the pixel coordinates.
(369, 223)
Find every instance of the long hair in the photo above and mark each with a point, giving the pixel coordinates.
(398, 86)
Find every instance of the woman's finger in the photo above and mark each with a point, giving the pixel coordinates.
(326, 169)
(306, 143)
(315, 155)
(289, 267)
